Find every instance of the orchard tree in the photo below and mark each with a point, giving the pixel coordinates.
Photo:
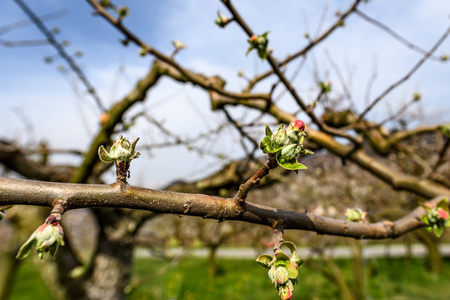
(331, 121)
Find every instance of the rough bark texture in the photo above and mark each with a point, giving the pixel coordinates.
(113, 261)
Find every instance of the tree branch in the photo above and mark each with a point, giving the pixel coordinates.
(27, 192)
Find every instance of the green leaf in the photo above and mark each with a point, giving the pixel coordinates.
(266, 145)
(25, 249)
(292, 164)
(249, 49)
(281, 127)
(292, 270)
(282, 256)
(306, 151)
(264, 260)
(104, 155)
(262, 53)
(445, 129)
(291, 246)
(443, 204)
(268, 131)
(281, 262)
(438, 231)
(425, 219)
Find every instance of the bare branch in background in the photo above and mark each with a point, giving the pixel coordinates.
(62, 52)
(407, 76)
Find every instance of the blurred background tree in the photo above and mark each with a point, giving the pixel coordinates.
(379, 135)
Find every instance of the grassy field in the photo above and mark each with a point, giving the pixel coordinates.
(393, 279)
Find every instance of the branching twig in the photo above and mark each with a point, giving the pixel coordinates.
(188, 75)
(245, 188)
(61, 51)
(313, 43)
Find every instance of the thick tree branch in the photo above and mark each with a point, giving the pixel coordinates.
(13, 158)
(27, 192)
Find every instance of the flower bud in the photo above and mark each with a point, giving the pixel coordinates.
(286, 291)
(121, 150)
(221, 20)
(290, 151)
(280, 138)
(442, 213)
(355, 215)
(272, 274)
(46, 238)
(123, 11)
(298, 125)
(178, 44)
(281, 275)
(295, 132)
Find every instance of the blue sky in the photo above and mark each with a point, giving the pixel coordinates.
(67, 118)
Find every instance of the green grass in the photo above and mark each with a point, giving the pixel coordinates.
(27, 284)
(393, 279)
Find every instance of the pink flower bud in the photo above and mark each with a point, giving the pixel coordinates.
(442, 213)
(298, 124)
(253, 38)
(285, 293)
(281, 275)
(46, 238)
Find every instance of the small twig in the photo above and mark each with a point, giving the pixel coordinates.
(122, 171)
(278, 232)
(245, 188)
(394, 34)
(23, 23)
(398, 113)
(59, 208)
(24, 43)
(241, 131)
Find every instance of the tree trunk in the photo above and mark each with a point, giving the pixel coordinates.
(434, 258)
(8, 268)
(112, 265)
(212, 263)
